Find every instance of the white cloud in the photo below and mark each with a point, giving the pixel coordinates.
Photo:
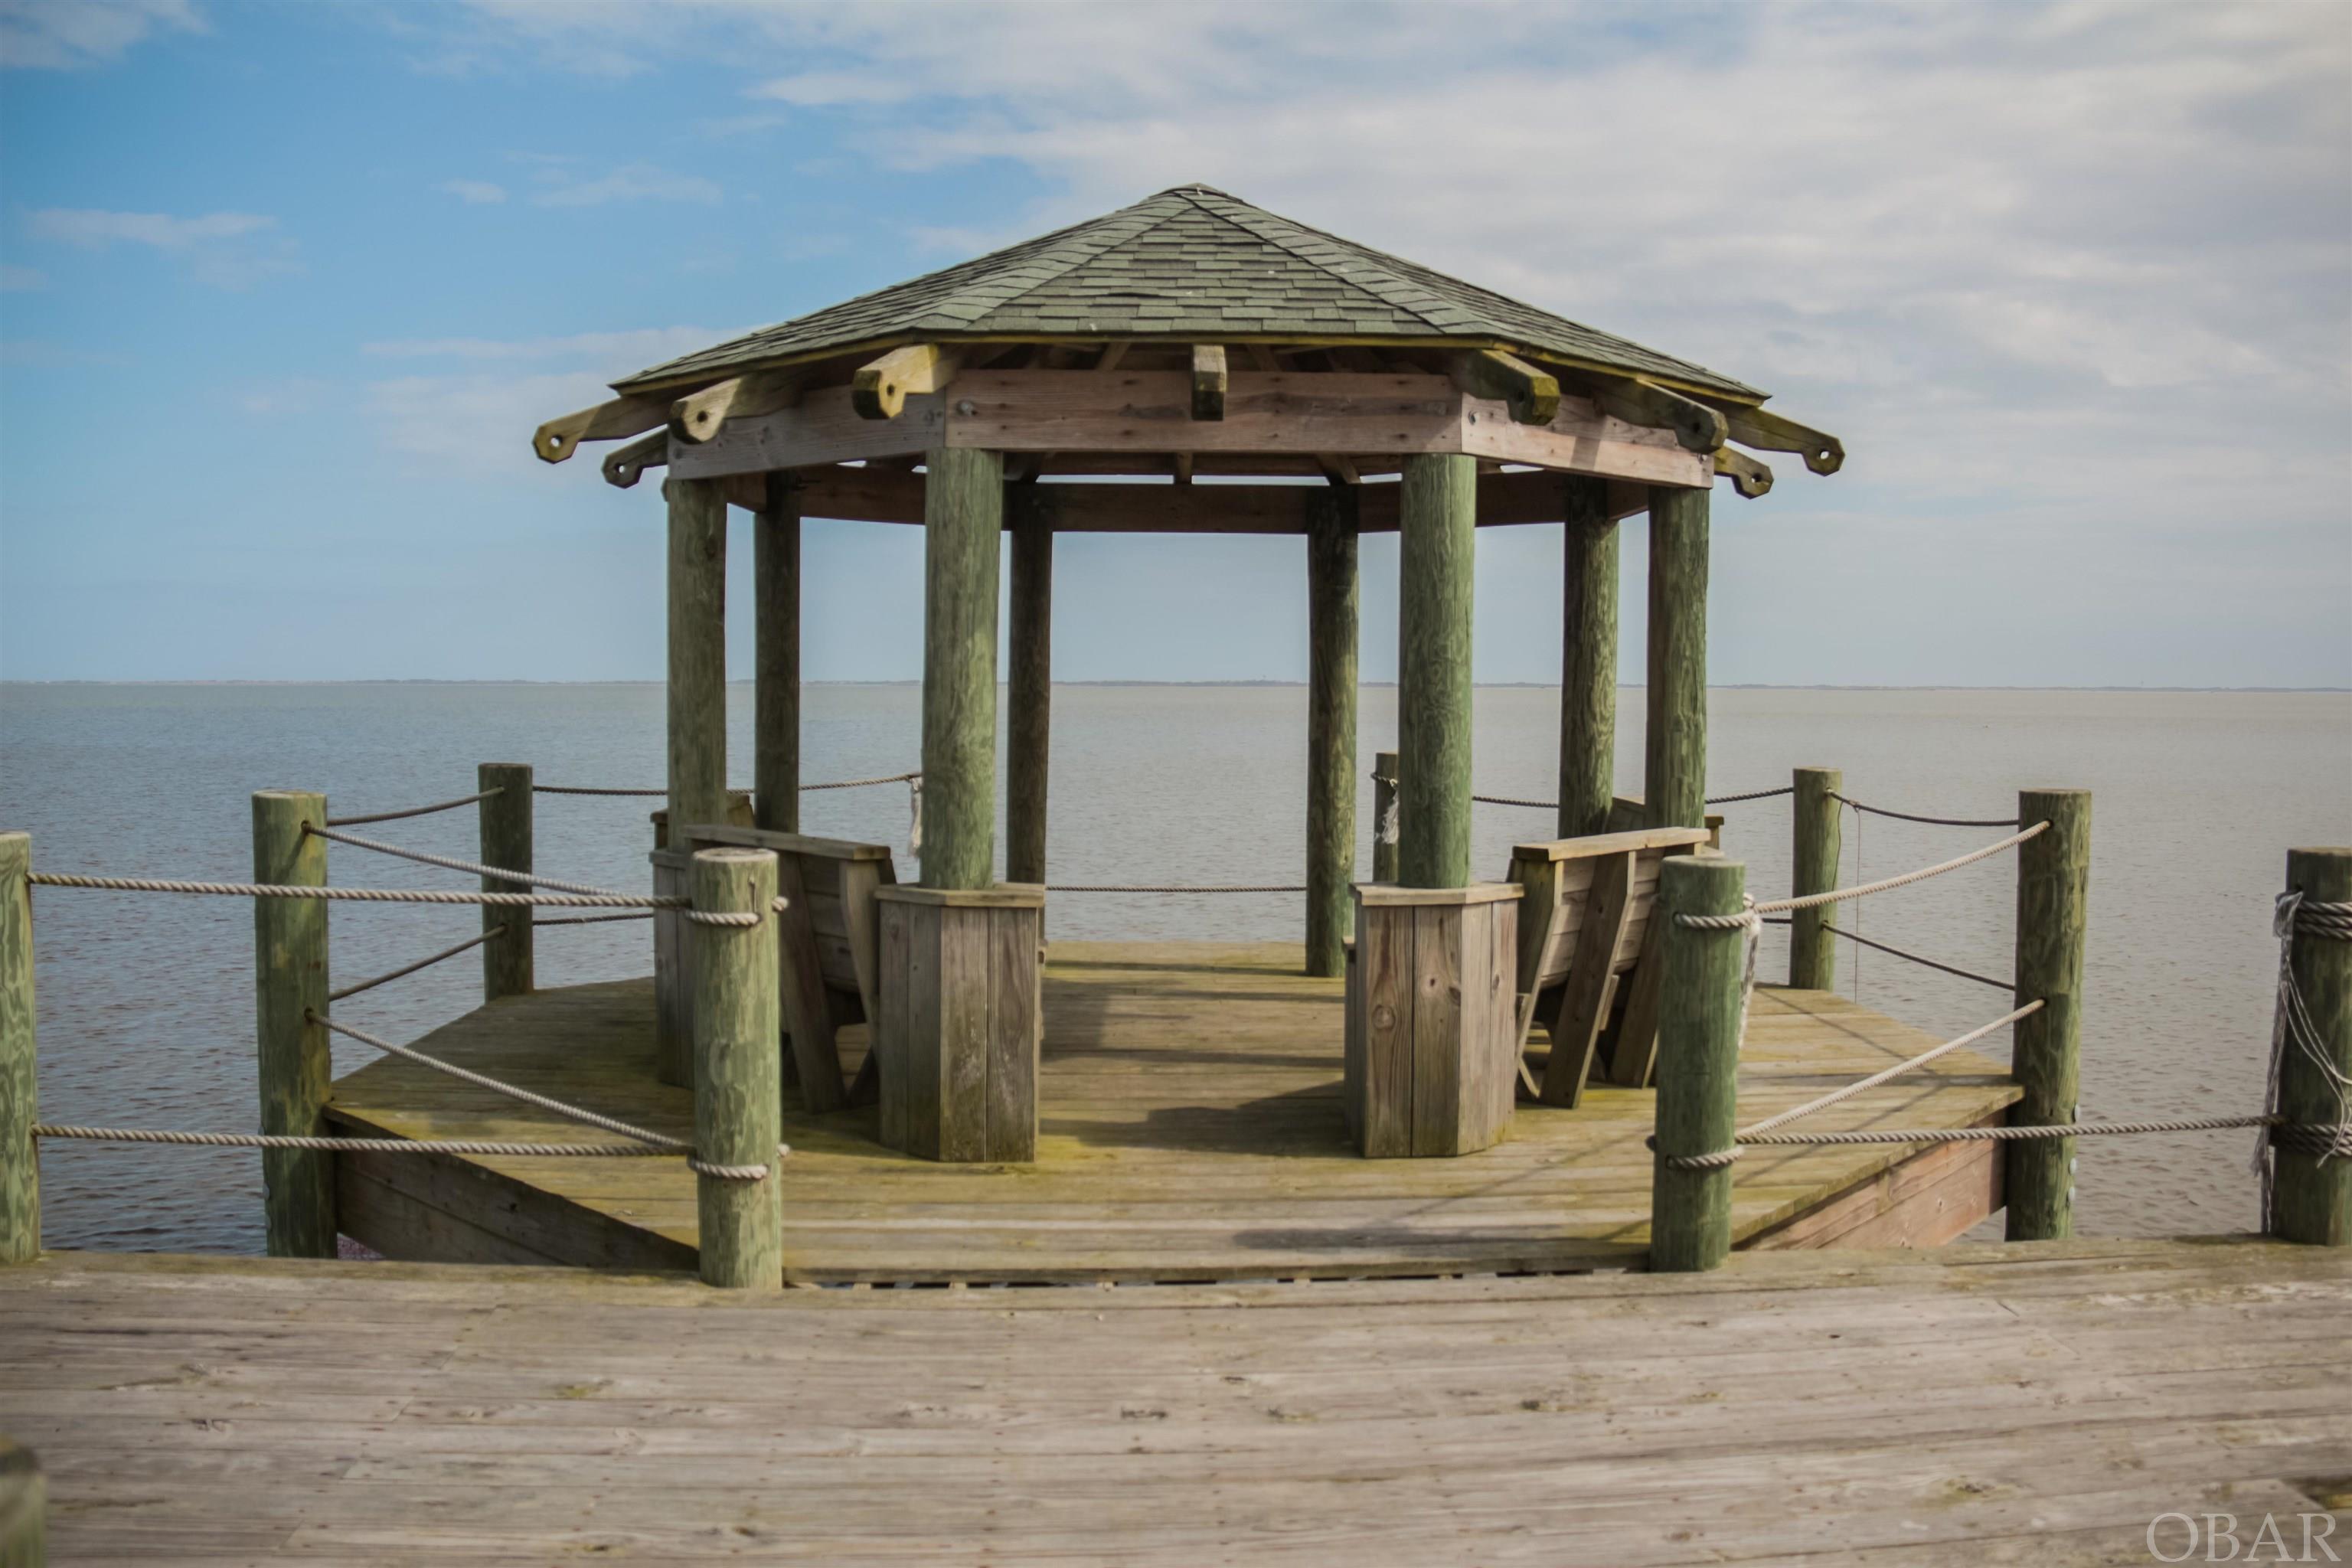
(65, 35)
(622, 351)
(560, 186)
(477, 425)
(226, 250)
(13, 279)
(474, 192)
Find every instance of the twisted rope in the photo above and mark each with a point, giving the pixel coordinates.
(1903, 953)
(350, 895)
(721, 918)
(412, 811)
(2329, 923)
(1507, 800)
(1937, 821)
(371, 984)
(907, 777)
(2335, 1136)
(1751, 795)
(2292, 1027)
(1837, 895)
(595, 920)
(1148, 888)
(1836, 1095)
(837, 784)
(350, 1145)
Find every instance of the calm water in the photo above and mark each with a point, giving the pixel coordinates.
(146, 1002)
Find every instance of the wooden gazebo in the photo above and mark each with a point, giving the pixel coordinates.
(1190, 336)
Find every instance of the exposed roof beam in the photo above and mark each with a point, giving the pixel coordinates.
(879, 390)
(1113, 351)
(558, 439)
(628, 465)
(1748, 477)
(698, 417)
(1182, 463)
(1338, 469)
(1637, 402)
(1208, 381)
(1532, 394)
(1825, 454)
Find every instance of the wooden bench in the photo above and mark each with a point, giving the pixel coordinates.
(1586, 939)
(829, 945)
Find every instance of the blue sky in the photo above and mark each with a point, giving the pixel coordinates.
(285, 286)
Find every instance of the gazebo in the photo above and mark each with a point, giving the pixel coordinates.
(1333, 391)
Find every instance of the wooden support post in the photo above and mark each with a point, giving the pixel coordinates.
(1813, 868)
(963, 513)
(776, 693)
(1587, 676)
(1029, 686)
(289, 943)
(505, 829)
(1438, 514)
(1384, 816)
(1331, 594)
(698, 651)
(2053, 873)
(1674, 784)
(738, 1106)
(2311, 1200)
(1698, 1062)
(20, 1154)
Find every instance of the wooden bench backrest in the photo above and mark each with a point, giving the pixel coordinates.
(1564, 868)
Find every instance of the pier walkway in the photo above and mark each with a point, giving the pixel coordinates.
(2034, 1403)
(1189, 1129)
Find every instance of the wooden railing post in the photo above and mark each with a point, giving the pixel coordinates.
(20, 1157)
(1698, 1062)
(1384, 816)
(1813, 868)
(506, 824)
(2311, 1200)
(2054, 874)
(289, 942)
(738, 1109)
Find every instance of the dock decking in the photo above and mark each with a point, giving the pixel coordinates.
(1191, 1129)
(2040, 1402)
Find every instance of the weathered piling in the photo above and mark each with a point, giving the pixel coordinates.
(289, 944)
(1438, 509)
(1674, 784)
(776, 657)
(738, 1114)
(2053, 873)
(698, 651)
(1331, 598)
(20, 1155)
(2311, 1195)
(964, 514)
(1698, 1062)
(506, 827)
(1385, 811)
(1587, 676)
(1029, 684)
(24, 1508)
(1813, 868)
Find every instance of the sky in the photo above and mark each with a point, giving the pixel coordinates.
(285, 287)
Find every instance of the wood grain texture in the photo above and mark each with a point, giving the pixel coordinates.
(698, 651)
(1029, 686)
(2054, 874)
(20, 1155)
(965, 508)
(504, 823)
(672, 984)
(960, 1020)
(1699, 1063)
(776, 657)
(1591, 979)
(1332, 594)
(2311, 1198)
(1815, 855)
(1433, 682)
(290, 984)
(1588, 688)
(1673, 770)
(736, 1095)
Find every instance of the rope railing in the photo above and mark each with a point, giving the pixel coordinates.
(352, 1145)
(594, 920)
(836, 783)
(358, 895)
(1905, 953)
(738, 917)
(451, 951)
(413, 810)
(1935, 821)
(1554, 805)
(1169, 888)
(1885, 884)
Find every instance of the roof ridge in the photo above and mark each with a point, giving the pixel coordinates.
(1292, 250)
(1077, 261)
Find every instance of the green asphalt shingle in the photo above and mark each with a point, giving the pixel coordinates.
(1192, 261)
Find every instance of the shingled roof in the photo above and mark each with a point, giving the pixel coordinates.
(1189, 263)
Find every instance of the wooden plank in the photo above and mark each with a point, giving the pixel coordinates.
(1015, 1024)
(1636, 1053)
(1591, 980)
(1601, 845)
(1437, 1025)
(1151, 411)
(823, 427)
(1385, 949)
(804, 844)
(807, 1015)
(893, 1046)
(1582, 439)
(966, 959)
(673, 1004)
(1539, 912)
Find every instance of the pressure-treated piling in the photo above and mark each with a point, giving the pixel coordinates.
(2311, 1197)
(1698, 1061)
(1674, 786)
(20, 1155)
(776, 658)
(1029, 682)
(738, 1116)
(963, 513)
(1332, 604)
(2053, 872)
(698, 652)
(1813, 868)
(506, 828)
(1588, 674)
(289, 944)
(1384, 816)
(1438, 509)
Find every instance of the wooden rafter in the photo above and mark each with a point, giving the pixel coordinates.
(1208, 381)
(1532, 394)
(1698, 427)
(626, 466)
(1748, 477)
(558, 439)
(1766, 432)
(701, 415)
(879, 390)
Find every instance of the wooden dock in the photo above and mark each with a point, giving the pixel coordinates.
(2037, 1403)
(1191, 1129)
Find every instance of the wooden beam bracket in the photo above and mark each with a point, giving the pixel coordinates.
(558, 439)
(1208, 381)
(698, 417)
(1748, 477)
(879, 390)
(625, 467)
(1532, 394)
(1823, 453)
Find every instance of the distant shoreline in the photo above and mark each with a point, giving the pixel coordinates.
(1365, 686)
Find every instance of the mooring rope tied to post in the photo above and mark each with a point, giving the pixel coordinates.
(1936, 821)
(353, 895)
(450, 952)
(417, 810)
(2292, 1027)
